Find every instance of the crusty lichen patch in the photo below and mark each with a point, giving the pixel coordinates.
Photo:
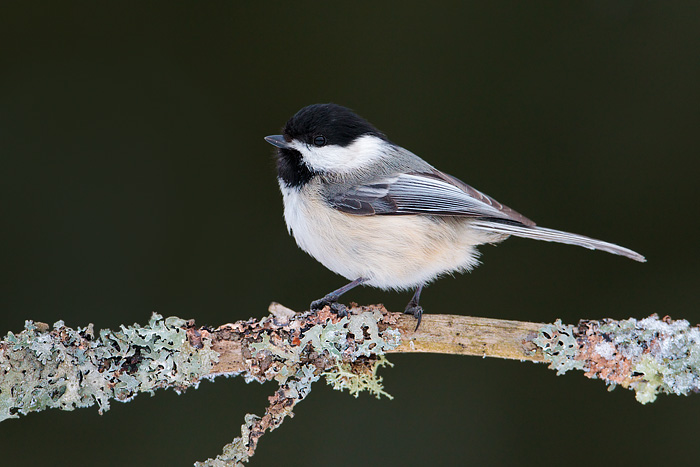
(559, 346)
(67, 369)
(650, 356)
(295, 351)
(241, 449)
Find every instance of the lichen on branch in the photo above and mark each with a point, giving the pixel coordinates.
(650, 356)
(70, 368)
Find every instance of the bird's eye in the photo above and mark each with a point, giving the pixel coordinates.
(319, 141)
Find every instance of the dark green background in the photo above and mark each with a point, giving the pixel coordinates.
(135, 179)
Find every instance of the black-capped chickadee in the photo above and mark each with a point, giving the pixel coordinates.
(379, 215)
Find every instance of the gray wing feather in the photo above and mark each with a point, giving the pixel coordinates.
(558, 236)
(365, 200)
(417, 193)
(432, 193)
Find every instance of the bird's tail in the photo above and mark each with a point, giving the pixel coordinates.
(550, 235)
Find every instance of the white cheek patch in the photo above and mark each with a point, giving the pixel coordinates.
(364, 151)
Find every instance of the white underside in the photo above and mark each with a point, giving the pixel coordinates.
(391, 252)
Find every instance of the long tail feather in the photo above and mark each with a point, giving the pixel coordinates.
(551, 235)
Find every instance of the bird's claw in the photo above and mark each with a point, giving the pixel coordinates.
(337, 308)
(416, 311)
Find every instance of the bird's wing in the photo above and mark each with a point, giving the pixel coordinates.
(439, 194)
(434, 193)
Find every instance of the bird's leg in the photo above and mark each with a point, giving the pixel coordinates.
(413, 308)
(331, 299)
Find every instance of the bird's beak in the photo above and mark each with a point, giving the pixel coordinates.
(277, 140)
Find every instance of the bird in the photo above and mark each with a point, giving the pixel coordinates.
(381, 216)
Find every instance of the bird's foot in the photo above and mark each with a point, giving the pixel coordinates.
(416, 311)
(337, 308)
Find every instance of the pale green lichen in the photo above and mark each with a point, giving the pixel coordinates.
(664, 355)
(366, 341)
(344, 376)
(559, 346)
(241, 449)
(330, 338)
(354, 345)
(352, 337)
(647, 389)
(68, 369)
(650, 356)
(281, 350)
(234, 453)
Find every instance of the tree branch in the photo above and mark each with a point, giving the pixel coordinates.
(66, 368)
(466, 335)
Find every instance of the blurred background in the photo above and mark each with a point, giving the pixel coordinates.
(135, 178)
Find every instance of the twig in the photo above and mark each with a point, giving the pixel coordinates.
(65, 368)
